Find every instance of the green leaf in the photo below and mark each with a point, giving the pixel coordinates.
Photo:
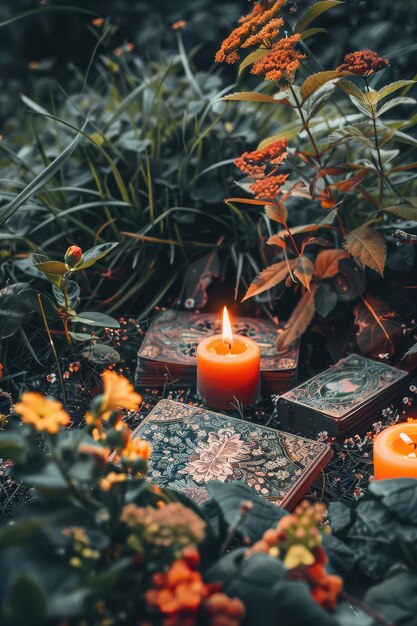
(55, 279)
(81, 337)
(73, 290)
(313, 12)
(53, 267)
(392, 87)
(325, 299)
(230, 496)
(395, 102)
(19, 531)
(14, 311)
(251, 58)
(92, 318)
(39, 181)
(101, 354)
(350, 88)
(27, 602)
(250, 96)
(315, 81)
(310, 32)
(94, 254)
(395, 598)
(406, 212)
(362, 132)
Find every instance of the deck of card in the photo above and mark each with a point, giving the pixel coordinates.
(346, 398)
(192, 446)
(168, 351)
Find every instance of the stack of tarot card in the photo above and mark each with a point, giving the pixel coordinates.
(344, 399)
(168, 351)
(192, 446)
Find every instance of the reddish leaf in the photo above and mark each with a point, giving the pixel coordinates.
(379, 327)
(303, 270)
(368, 247)
(277, 212)
(268, 278)
(327, 263)
(299, 320)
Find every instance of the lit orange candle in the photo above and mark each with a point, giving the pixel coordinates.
(228, 369)
(395, 452)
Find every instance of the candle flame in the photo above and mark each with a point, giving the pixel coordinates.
(406, 439)
(227, 334)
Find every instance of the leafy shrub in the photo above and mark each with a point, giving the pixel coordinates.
(350, 161)
(99, 544)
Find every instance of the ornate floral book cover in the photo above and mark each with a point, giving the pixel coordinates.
(192, 445)
(170, 345)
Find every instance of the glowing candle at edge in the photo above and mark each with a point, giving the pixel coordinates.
(228, 369)
(395, 452)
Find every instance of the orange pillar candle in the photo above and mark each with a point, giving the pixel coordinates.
(228, 369)
(395, 452)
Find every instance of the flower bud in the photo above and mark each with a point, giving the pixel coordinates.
(73, 255)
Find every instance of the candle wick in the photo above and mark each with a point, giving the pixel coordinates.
(229, 344)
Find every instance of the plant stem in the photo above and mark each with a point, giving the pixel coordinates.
(378, 150)
(316, 152)
(54, 352)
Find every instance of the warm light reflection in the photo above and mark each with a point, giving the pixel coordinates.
(227, 334)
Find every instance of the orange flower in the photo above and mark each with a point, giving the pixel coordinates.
(268, 188)
(363, 63)
(179, 25)
(281, 62)
(98, 21)
(112, 479)
(118, 393)
(256, 163)
(73, 255)
(181, 590)
(1, 370)
(44, 414)
(249, 32)
(136, 449)
(101, 453)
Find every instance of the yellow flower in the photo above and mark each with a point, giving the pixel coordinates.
(119, 393)
(111, 479)
(298, 555)
(44, 414)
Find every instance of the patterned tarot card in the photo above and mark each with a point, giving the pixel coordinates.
(174, 335)
(345, 387)
(191, 446)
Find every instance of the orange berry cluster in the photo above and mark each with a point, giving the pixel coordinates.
(257, 28)
(262, 164)
(258, 162)
(363, 63)
(281, 62)
(297, 541)
(182, 597)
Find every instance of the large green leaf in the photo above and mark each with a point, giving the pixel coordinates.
(93, 318)
(230, 497)
(94, 254)
(53, 267)
(313, 12)
(395, 598)
(14, 311)
(27, 602)
(101, 354)
(315, 81)
(19, 531)
(39, 181)
(250, 96)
